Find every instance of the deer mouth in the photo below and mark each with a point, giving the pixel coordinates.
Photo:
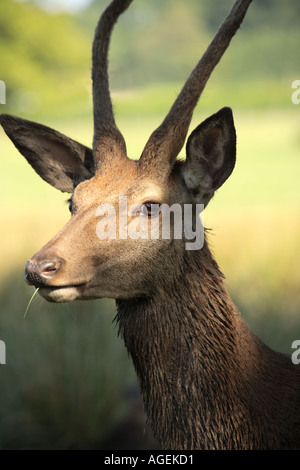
(59, 294)
(40, 275)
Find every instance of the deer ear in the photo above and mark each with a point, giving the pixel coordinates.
(211, 150)
(59, 160)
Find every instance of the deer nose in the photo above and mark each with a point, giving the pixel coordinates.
(38, 273)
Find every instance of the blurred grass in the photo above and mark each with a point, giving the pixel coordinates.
(63, 385)
(66, 375)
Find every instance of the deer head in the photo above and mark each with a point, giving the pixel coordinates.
(76, 263)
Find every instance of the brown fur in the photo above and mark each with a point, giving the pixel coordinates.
(207, 381)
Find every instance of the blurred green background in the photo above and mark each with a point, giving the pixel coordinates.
(68, 382)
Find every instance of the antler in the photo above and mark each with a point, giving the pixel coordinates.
(167, 140)
(108, 141)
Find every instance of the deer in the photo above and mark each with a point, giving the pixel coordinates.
(206, 380)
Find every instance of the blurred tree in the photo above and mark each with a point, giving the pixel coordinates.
(44, 57)
(162, 40)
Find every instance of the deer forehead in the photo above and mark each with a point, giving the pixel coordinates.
(128, 182)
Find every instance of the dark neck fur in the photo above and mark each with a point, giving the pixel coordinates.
(204, 376)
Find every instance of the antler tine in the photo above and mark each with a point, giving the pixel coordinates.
(168, 139)
(108, 140)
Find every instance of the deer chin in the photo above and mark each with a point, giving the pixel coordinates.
(60, 294)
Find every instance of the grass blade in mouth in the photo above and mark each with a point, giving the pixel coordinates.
(29, 303)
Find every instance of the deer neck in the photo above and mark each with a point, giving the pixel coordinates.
(192, 354)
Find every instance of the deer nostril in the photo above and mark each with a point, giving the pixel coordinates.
(50, 267)
(37, 273)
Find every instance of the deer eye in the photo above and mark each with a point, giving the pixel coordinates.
(70, 202)
(150, 209)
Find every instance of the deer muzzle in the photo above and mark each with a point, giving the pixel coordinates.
(42, 274)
